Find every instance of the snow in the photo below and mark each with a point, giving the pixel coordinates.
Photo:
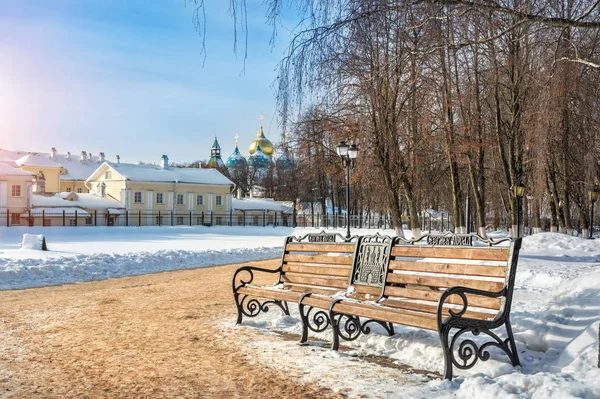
(82, 200)
(35, 159)
(248, 204)
(555, 312)
(10, 168)
(32, 241)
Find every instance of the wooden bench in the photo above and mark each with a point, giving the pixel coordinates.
(314, 263)
(438, 283)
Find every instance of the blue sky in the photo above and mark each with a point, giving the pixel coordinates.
(127, 77)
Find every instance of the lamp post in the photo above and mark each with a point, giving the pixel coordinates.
(348, 155)
(593, 197)
(519, 190)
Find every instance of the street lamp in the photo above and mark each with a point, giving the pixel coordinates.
(348, 155)
(593, 197)
(519, 190)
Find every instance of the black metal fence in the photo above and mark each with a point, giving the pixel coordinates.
(369, 221)
(143, 218)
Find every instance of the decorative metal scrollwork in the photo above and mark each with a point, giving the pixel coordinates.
(316, 321)
(350, 327)
(253, 307)
(469, 352)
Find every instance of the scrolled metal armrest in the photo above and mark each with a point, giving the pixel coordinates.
(250, 270)
(462, 293)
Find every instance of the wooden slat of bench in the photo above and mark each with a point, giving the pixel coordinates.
(430, 295)
(336, 248)
(335, 282)
(499, 254)
(268, 293)
(432, 308)
(443, 282)
(318, 259)
(312, 289)
(449, 268)
(396, 316)
(364, 289)
(316, 270)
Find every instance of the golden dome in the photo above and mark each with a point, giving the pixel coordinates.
(265, 145)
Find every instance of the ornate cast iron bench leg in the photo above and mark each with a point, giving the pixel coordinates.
(316, 322)
(352, 326)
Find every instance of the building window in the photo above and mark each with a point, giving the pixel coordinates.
(79, 190)
(103, 190)
(160, 198)
(107, 175)
(219, 200)
(88, 221)
(179, 220)
(219, 221)
(16, 190)
(137, 197)
(199, 200)
(180, 199)
(68, 189)
(73, 222)
(15, 218)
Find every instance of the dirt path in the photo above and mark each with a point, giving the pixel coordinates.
(151, 336)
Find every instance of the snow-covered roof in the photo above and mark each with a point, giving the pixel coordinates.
(258, 204)
(10, 168)
(74, 168)
(87, 201)
(54, 212)
(34, 159)
(155, 173)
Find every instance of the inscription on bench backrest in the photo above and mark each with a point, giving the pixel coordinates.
(457, 240)
(321, 237)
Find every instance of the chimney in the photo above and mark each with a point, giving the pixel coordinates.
(102, 157)
(39, 186)
(164, 162)
(239, 193)
(90, 157)
(68, 155)
(83, 156)
(53, 154)
(118, 159)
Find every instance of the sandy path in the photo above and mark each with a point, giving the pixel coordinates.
(151, 336)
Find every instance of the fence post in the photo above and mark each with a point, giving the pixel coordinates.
(127, 217)
(275, 222)
(159, 219)
(171, 218)
(190, 218)
(7, 217)
(64, 219)
(139, 218)
(231, 217)
(75, 217)
(43, 217)
(211, 218)
(264, 218)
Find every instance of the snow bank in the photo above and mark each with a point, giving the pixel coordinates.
(34, 241)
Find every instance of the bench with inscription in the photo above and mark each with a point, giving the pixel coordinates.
(454, 290)
(315, 263)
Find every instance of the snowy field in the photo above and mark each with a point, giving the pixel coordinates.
(95, 253)
(555, 313)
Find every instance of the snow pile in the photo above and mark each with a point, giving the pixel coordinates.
(25, 273)
(555, 317)
(34, 241)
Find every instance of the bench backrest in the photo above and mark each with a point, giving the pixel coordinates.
(419, 271)
(317, 263)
